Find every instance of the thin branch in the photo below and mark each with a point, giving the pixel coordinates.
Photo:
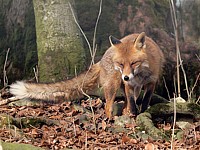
(94, 121)
(185, 77)
(92, 53)
(8, 100)
(5, 79)
(197, 57)
(92, 62)
(86, 140)
(178, 58)
(88, 43)
(74, 126)
(198, 100)
(174, 123)
(195, 84)
(35, 70)
(174, 79)
(166, 88)
(95, 29)
(174, 21)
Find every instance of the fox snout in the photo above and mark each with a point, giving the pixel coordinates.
(127, 77)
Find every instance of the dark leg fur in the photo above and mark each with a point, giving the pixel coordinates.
(149, 89)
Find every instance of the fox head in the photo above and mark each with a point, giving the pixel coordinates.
(129, 55)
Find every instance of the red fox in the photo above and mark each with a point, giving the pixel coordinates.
(131, 63)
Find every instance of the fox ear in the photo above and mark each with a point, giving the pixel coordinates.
(140, 41)
(113, 40)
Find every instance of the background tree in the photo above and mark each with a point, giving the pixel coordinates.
(59, 43)
(17, 32)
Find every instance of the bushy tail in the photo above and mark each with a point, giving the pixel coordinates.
(69, 89)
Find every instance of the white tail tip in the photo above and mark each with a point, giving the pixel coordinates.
(19, 89)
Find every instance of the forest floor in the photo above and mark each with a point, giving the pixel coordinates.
(74, 126)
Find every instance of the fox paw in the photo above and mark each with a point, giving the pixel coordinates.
(129, 113)
(108, 111)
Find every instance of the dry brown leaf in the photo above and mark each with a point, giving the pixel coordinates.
(34, 131)
(125, 139)
(149, 146)
(70, 133)
(167, 127)
(133, 141)
(56, 117)
(104, 125)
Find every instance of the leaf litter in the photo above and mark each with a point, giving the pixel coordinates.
(72, 125)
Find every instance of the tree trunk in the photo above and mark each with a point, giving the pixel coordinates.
(59, 43)
(17, 32)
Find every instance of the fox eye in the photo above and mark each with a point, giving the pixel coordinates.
(120, 64)
(135, 63)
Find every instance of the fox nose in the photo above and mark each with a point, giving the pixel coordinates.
(126, 78)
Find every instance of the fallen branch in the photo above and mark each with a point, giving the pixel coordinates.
(8, 100)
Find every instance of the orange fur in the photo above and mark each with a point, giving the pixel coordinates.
(131, 63)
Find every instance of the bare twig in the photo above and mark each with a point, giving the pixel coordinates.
(174, 79)
(185, 78)
(8, 100)
(87, 41)
(95, 29)
(197, 57)
(92, 53)
(86, 140)
(197, 79)
(94, 121)
(35, 70)
(5, 79)
(198, 100)
(174, 122)
(178, 55)
(166, 88)
(74, 126)
(175, 25)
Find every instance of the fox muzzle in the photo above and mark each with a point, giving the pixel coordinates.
(127, 77)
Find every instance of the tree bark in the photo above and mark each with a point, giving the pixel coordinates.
(59, 43)
(17, 32)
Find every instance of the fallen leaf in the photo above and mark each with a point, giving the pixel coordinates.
(104, 125)
(125, 139)
(133, 141)
(167, 127)
(149, 146)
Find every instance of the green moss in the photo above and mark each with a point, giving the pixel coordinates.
(63, 64)
(194, 108)
(5, 120)
(17, 146)
(159, 109)
(144, 121)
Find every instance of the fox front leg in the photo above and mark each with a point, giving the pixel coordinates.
(148, 91)
(110, 95)
(130, 103)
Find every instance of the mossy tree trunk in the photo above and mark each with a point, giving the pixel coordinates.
(59, 43)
